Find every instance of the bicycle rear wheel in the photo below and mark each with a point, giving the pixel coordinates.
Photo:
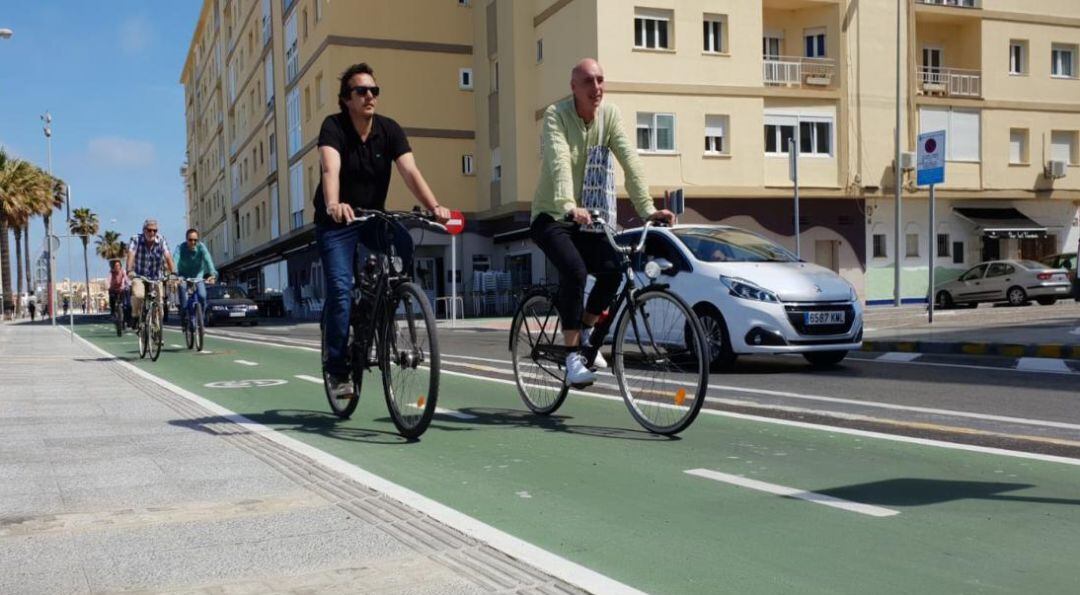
(200, 327)
(143, 332)
(343, 407)
(661, 362)
(154, 334)
(537, 359)
(410, 361)
(118, 319)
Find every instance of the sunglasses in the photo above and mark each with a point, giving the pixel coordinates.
(151, 230)
(362, 90)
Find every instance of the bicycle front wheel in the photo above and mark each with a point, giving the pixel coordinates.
(410, 361)
(660, 361)
(154, 334)
(118, 318)
(189, 328)
(536, 356)
(143, 332)
(200, 328)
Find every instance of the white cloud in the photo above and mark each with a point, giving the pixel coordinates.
(136, 34)
(112, 151)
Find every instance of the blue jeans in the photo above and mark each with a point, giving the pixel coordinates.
(200, 294)
(339, 249)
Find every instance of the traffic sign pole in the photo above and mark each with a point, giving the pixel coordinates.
(454, 226)
(933, 256)
(931, 171)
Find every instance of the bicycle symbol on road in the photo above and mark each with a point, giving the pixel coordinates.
(263, 383)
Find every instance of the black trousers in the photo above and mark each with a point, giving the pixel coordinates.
(575, 255)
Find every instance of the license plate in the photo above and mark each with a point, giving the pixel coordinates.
(815, 318)
(1061, 289)
(237, 314)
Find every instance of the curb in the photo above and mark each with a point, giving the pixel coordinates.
(1046, 350)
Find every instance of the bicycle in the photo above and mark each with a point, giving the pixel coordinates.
(192, 317)
(659, 350)
(387, 309)
(149, 329)
(119, 313)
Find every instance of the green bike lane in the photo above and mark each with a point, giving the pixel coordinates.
(587, 484)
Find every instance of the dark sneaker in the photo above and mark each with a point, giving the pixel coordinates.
(340, 387)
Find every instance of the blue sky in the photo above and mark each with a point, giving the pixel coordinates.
(108, 73)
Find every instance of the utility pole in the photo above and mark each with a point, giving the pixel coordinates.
(49, 233)
(896, 168)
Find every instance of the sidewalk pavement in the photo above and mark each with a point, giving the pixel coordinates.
(1025, 331)
(104, 488)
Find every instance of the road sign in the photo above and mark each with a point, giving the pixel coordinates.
(456, 223)
(931, 162)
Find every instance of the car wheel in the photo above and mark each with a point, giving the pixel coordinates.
(943, 301)
(1049, 301)
(1016, 296)
(824, 359)
(716, 333)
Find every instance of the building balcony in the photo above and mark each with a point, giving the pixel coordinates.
(955, 3)
(793, 71)
(950, 82)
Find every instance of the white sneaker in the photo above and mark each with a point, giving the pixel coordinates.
(340, 388)
(577, 373)
(598, 360)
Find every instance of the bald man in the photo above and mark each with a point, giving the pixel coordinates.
(574, 129)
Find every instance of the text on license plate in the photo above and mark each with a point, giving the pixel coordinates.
(237, 314)
(824, 317)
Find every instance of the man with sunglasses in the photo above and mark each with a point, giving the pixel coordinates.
(357, 148)
(193, 261)
(148, 256)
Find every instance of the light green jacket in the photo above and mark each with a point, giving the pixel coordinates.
(566, 146)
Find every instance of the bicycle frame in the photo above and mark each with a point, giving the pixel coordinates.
(192, 299)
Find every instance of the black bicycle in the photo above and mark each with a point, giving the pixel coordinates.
(391, 327)
(192, 317)
(149, 330)
(119, 312)
(659, 351)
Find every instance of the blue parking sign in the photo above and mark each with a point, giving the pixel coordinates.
(931, 162)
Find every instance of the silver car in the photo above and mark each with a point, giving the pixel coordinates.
(1012, 281)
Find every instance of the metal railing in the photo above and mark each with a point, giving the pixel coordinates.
(957, 3)
(793, 71)
(952, 82)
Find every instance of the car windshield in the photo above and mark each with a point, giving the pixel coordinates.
(724, 244)
(220, 292)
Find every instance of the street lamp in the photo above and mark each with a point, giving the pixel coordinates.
(6, 33)
(47, 129)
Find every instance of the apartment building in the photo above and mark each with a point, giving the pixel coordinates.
(260, 77)
(713, 91)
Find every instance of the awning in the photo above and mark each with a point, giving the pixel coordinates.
(1002, 222)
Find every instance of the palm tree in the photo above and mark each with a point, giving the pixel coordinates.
(34, 197)
(57, 198)
(84, 223)
(40, 201)
(15, 176)
(109, 245)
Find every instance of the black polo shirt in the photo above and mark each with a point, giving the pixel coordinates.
(365, 165)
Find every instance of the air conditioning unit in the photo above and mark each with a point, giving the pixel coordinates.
(1055, 169)
(907, 161)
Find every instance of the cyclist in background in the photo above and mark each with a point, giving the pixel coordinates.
(118, 284)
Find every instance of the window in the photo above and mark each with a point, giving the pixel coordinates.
(465, 81)
(715, 133)
(912, 245)
(539, 51)
(273, 153)
(307, 104)
(879, 246)
(714, 30)
(655, 132)
(275, 225)
(814, 134)
(652, 29)
(1017, 57)
(494, 76)
(318, 10)
(1018, 146)
(467, 165)
(1063, 146)
(268, 74)
(258, 218)
(1063, 61)
(942, 245)
(770, 45)
(292, 113)
(958, 252)
(292, 51)
(304, 21)
(814, 43)
(296, 194)
(463, 2)
(496, 165)
(962, 127)
(318, 91)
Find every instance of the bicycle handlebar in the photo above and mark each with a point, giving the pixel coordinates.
(424, 217)
(598, 220)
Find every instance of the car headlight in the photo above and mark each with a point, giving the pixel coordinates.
(854, 294)
(741, 288)
(253, 307)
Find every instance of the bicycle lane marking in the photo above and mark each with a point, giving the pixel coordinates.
(578, 460)
(779, 490)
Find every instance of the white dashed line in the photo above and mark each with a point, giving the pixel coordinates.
(244, 362)
(309, 378)
(1042, 364)
(779, 490)
(453, 413)
(898, 356)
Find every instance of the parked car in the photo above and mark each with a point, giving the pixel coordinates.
(1013, 281)
(230, 304)
(752, 295)
(1067, 261)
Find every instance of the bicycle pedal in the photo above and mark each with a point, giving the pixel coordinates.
(581, 385)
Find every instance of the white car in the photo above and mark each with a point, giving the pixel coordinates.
(752, 295)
